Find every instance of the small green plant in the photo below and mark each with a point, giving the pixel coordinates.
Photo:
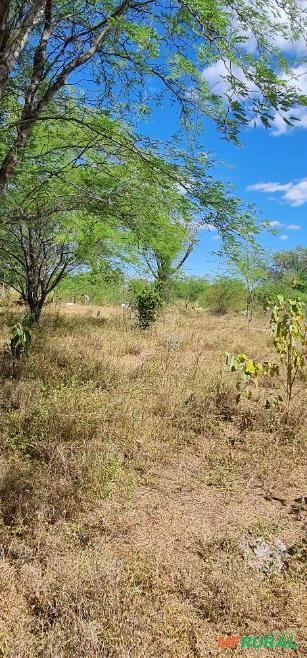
(28, 321)
(20, 340)
(147, 303)
(249, 370)
(265, 528)
(290, 342)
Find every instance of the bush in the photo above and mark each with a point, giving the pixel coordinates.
(224, 295)
(189, 288)
(20, 340)
(290, 340)
(99, 288)
(267, 293)
(135, 287)
(147, 304)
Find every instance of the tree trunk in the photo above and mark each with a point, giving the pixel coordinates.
(10, 160)
(13, 40)
(35, 302)
(162, 286)
(249, 308)
(35, 310)
(163, 278)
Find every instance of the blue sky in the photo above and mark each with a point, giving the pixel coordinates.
(269, 169)
(263, 161)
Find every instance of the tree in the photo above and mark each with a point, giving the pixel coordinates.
(64, 210)
(163, 206)
(164, 250)
(46, 230)
(291, 267)
(118, 202)
(33, 260)
(124, 45)
(164, 270)
(249, 263)
(208, 204)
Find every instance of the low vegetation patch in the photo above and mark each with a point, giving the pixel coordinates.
(128, 489)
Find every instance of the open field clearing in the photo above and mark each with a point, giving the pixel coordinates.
(130, 480)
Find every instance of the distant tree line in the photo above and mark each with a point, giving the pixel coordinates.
(285, 273)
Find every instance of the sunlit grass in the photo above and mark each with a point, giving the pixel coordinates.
(128, 478)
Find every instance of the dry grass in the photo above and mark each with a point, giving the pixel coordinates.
(129, 477)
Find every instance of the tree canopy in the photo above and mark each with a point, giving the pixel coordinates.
(85, 195)
(291, 267)
(126, 55)
(81, 187)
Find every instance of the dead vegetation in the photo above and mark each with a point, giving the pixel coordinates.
(129, 477)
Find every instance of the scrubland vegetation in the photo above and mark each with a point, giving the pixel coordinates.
(153, 430)
(130, 476)
(219, 294)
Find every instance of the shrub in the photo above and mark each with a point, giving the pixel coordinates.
(224, 295)
(99, 287)
(189, 288)
(267, 293)
(135, 287)
(20, 340)
(147, 303)
(290, 342)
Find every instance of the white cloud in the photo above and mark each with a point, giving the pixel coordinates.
(280, 127)
(294, 193)
(297, 193)
(203, 227)
(298, 79)
(290, 227)
(284, 237)
(182, 189)
(280, 25)
(275, 224)
(208, 227)
(281, 39)
(268, 187)
(216, 73)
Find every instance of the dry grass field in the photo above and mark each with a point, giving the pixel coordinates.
(129, 479)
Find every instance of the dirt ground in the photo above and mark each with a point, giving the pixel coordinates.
(130, 478)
